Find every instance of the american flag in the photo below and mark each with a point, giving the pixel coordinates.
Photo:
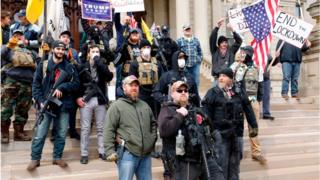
(133, 22)
(260, 19)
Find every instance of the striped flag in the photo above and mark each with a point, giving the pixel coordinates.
(133, 22)
(260, 20)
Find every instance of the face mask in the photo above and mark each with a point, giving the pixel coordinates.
(95, 54)
(181, 63)
(146, 52)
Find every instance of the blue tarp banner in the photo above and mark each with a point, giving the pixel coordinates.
(96, 10)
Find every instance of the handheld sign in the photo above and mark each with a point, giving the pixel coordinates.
(98, 10)
(128, 5)
(291, 29)
(238, 21)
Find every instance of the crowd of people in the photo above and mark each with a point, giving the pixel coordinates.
(157, 91)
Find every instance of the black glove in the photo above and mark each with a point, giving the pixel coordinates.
(253, 132)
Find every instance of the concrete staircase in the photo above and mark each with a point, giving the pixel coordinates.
(291, 144)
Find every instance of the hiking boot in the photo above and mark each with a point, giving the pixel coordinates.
(259, 158)
(268, 117)
(84, 160)
(19, 134)
(74, 134)
(5, 132)
(33, 165)
(60, 163)
(296, 96)
(285, 97)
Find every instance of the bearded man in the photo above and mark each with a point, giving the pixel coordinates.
(225, 104)
(131, 121)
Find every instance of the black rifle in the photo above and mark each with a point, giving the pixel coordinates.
(205, 139)
(160, 52)
(93, 89)
(50, 100)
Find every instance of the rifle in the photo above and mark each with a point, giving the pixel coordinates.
(50, 100)
(204, 138)
(94, 89)
(160, 52)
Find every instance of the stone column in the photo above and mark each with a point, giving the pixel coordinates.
(309, 85)
(200, 27)
(179, 14)
(161, 12)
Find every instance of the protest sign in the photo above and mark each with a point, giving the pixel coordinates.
(291, 29)
(128, 5)
(237, 20)
(99, 10)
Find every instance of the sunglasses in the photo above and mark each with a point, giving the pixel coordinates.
(182, 90)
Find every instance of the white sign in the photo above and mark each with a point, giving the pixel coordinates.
(238, 21)
(291, 29)
(128, 5)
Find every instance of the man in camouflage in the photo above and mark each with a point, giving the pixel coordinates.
(17, 67)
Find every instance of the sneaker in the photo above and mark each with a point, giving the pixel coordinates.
(268, 117)
(60, 163)
(284, 96)
(259, 158)
(103, 156)
(33, 165)
(84, 160)
(296, 96)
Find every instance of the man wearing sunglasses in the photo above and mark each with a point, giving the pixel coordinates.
(180, 118)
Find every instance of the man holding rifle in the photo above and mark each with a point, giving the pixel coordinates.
(179, 122)
(54, 82)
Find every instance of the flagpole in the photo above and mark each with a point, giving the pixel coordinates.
(45, 28)
(277, 51)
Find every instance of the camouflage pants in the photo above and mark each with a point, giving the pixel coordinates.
(15, 97)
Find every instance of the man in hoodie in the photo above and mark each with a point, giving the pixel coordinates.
(130, 127)
(223, 54)
(161, 91)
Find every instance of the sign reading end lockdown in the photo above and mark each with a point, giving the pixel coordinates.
(98, 10)
(291, 29)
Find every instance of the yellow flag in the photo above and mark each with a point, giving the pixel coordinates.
(34, 10)
(146, 31)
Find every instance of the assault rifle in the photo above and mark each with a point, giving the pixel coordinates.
(51, 102)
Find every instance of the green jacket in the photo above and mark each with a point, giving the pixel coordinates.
(132, 121)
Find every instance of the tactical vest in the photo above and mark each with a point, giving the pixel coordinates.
(239, 70)
(251, 81)
(22, 58)
(148, 71)
(127, 63)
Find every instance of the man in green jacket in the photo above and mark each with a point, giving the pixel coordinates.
(131, 124)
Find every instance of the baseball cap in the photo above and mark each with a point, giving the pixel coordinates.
(186, 26)
(18, 31)
(22, 12)
(66, 32)
(130, 79)
(228, 72)
(176, 85)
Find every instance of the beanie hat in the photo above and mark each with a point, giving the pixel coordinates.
(222, 39)
(144, 43)
(228, 72)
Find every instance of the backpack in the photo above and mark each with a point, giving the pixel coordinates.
(251, 80)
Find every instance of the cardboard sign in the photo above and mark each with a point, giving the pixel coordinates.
(128, 5)
(99, 10)
(238, 21)
(291, 29)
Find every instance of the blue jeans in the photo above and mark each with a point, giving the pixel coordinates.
(195, 72)
(230, 154)
(60, 124)
(291, 72)
(130, 164)
(266, 98)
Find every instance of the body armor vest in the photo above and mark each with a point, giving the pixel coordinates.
(148, 71)
(22, 58)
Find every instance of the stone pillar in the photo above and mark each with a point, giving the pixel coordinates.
(179, 14)
(200, 27)
(309, 84)
(161, 12)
